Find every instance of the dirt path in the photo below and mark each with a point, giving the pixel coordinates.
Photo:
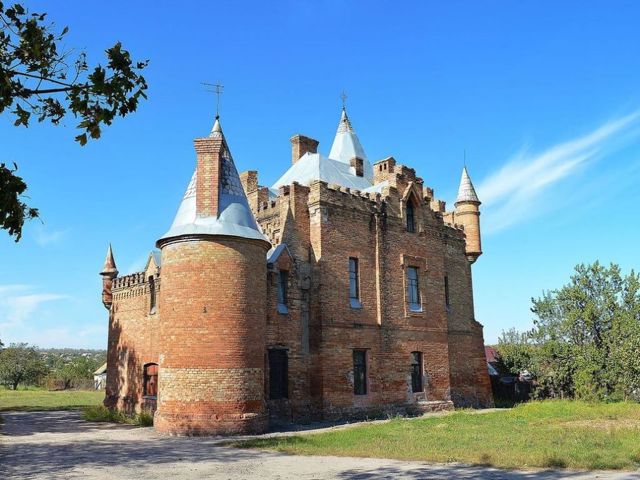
(52, 445)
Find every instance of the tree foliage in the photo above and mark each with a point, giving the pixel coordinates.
(78, 368)
(586, 337)
(20, 363)
(40, 79)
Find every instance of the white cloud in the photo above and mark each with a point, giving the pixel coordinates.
(18, 303)
(512, 193)
(44, 237)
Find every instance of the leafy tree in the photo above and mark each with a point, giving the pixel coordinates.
(20, 364)
(41, 80)
(515, 351)
(586, 337)
(79, 368)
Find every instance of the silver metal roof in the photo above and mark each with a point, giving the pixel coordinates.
(275, 252)
(466, 192)
(346, 145)
(337, 167)
(377, 188)
(315, 166)
(234, 215)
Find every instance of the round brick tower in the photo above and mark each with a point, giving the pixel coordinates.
(213, 304)
(468, 215)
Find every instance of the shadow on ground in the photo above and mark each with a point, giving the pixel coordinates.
(43, 445)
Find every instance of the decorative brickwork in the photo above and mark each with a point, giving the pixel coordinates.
(225, 306)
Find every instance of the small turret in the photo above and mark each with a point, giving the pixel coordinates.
(467, 213)
(108, 273)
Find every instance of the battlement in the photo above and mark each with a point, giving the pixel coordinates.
(131, 280)
(344, 197)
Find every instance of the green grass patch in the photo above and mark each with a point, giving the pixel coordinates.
(549, 434)
(32, 399)
(100, 413)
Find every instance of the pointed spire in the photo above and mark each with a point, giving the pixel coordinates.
(216, 131)
(346, 146)
(109, 268)
(466, 192)
(215, 202)
(345, 125)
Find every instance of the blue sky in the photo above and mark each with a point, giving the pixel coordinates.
(543, 96)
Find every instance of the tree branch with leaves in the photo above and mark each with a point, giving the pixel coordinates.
(41, 80)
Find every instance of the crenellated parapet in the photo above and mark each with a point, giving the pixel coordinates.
(131, 280)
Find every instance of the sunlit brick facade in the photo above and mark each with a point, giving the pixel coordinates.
(351, 297)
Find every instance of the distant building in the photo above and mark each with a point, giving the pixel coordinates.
(100, 377)
(344, 290)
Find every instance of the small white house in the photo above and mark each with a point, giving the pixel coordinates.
(100, 377)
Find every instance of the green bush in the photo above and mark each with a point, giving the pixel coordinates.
(144, 419)
(103, 414)
(585, 340)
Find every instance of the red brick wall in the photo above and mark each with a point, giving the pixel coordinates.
(343, 225)
(220, 316)
(133, 342)
(212, 337)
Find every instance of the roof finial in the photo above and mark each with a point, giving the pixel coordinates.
(464, 162)
(217, 89)
(343, 96)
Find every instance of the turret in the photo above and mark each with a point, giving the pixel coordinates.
(108, 273)
(213, 304)
(467, 213)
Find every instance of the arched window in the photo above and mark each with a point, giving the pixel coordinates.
(152, 294)
(410, 216)
(150, 387)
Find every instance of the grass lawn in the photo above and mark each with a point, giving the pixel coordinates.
(36, 399)
(559, 434)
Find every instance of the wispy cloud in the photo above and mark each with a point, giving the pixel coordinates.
(19, 302)
(510, 194)
(45, 237)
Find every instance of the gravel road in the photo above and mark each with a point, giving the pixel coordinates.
(60, 445)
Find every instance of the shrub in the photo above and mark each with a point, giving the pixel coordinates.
(101, 413)
(144, 419)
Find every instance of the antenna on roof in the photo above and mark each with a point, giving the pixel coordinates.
(217, 89)
(343, 96)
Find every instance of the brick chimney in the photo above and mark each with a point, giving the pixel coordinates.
(382, 169)
(301, 145)
(358, 165)
(209, 152)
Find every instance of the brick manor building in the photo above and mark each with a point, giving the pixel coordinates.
(343, 290)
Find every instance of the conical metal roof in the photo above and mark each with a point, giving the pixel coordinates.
(466, 192)
(234, 215)
(109, 263)
(346, 145)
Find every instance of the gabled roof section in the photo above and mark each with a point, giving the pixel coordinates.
(346, 145)
(101, 370)
(234, 216)
(315, 166)
(466, 192)
(153, 262)
(275, 252)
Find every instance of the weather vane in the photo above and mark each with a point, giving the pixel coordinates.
(217, 89)
(343, 96)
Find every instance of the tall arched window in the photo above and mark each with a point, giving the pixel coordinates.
(150, 386)
(410, 217)
(152, 294)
